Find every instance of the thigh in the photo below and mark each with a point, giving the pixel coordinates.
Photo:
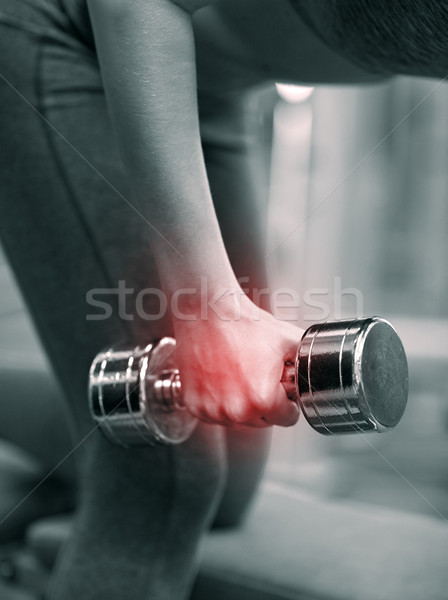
(69, 227)
(236, 134)
(67, 222)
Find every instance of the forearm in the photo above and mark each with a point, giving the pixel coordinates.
(235, 140)
(146, 52)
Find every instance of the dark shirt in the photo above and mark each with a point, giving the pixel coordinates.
(60, 17)
(77, 13)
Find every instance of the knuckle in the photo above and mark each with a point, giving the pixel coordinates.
(265, 399)
(237, 412)
(195, 411)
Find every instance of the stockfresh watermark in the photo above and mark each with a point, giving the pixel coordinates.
(152, 304)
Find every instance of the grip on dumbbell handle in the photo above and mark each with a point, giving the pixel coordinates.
(348, 376)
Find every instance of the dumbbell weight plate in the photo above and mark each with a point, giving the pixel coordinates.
(352, 376)
(126, 395)
(169, 422)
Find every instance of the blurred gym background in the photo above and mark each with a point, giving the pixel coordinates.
(359, 217)
(361, 174)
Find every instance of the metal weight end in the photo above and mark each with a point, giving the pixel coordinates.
(134, 395)
(166, 416)
(352, 376)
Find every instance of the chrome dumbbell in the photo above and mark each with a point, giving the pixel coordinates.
(348, 377)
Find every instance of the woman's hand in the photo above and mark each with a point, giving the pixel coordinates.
(231, 364)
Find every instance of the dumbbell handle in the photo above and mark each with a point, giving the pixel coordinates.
(348, 376)
(168, 386)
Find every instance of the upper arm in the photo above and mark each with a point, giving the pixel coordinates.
(147, 61)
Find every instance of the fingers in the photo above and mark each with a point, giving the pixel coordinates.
(258, 422)
(291, 337)
(282, 411)
(234, 414)
(246, 391)
(277, 410)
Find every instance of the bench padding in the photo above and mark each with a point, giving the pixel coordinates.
(294, 546)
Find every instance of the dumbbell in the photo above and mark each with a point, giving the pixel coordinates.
(348, 377)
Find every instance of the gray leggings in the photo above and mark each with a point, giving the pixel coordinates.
(67, 227)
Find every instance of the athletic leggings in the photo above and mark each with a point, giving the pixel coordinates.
(68, 227)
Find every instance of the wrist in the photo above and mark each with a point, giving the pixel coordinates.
(194, 269)
(208, 302)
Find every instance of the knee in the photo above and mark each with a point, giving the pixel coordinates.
(186, 479)
(247, 452)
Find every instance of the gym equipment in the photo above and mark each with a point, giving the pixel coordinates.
(348, 377)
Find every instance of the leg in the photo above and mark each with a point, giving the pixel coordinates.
(32, 418)
(236, 135)
(66, 231)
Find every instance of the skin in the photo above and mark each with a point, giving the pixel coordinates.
(157, 59)
(142, 512)
(159, 133)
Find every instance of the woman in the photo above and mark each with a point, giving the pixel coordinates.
(88, 83)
